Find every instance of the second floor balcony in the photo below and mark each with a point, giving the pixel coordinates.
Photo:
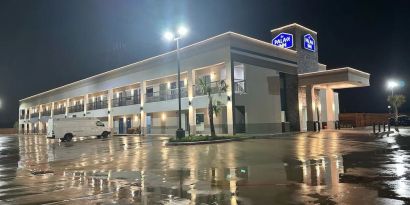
(59, 111)
(34, 114)
(164, 95)
(97, 105)
(213, 86)
(125, 101)
(46, 113)
(76, 108)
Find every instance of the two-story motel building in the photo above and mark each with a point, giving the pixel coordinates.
(271, 89)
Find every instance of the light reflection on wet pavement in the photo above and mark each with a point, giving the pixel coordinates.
(325, 168)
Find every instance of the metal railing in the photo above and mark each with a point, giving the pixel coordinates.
(125, 101)
(164, 95)
(240, 86)
(76, 108)
(59, 111)
(97, 105)
(46, 113)
(213, 85)
(35, 114)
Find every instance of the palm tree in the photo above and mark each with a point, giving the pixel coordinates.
(396, 101)
(214, 107)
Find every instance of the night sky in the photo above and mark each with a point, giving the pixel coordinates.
(45, 44)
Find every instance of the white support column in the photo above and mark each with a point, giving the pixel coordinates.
(310, 107)
(330, 108)
(229, 105)
(52, 110)
(110, 115)
(67, 104)
(39, 123)
(85, 105)
(336, 102)
(143, 113)
(191, 109)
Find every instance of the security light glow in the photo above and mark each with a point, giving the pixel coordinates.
(169, 35)
(182, 31)
(392, 84)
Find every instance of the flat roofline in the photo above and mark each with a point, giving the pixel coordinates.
(213, 38)
(293, 24)
(336, 70)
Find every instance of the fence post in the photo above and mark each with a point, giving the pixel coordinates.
(384, 127)
(388, 125)
(379, 126)
(374, 128)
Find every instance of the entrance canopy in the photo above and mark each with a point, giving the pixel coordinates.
(336, 78)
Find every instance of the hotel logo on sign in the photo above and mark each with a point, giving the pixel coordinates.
(283, 40)
(309, 42)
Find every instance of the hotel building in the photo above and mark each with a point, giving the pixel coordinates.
(273, 87)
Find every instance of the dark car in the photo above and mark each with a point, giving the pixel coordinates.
(403, 120)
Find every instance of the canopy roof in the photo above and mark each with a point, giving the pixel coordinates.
(336, 78)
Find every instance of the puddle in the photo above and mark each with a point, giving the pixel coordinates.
(326, 168)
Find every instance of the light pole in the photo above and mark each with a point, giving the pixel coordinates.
(391, 84)
(181, 32)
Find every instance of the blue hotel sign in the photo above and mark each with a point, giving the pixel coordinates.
(283, 40)
(309, 42)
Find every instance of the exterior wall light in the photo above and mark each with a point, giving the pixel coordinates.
(141, 108)
(189, 103)
(229, 98)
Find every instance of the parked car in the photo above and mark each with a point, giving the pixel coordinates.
(67, 128)
(403, 120)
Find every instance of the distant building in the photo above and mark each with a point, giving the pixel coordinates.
(274, 87)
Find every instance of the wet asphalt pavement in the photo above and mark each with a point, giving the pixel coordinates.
(328, 168)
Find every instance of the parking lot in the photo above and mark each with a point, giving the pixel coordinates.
(330, 167)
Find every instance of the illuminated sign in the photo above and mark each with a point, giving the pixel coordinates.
(309, 42)
(283, 40)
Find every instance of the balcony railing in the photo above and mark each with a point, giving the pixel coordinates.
(125, 101)
(22, 117)
(76, 108)
(59, 111)
(240, 86)
(33, 115)
(46, 113)
(165, 95)
(97, 105)
(212, 85)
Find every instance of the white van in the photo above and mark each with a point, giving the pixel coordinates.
(67, 128)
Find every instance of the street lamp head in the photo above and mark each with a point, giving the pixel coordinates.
(182, 31)
(169, 36)
(392, 84)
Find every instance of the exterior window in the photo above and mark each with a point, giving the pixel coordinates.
(174, 85)
(150, 92)
(206, 79)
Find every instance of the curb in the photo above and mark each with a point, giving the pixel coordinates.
(202, 142)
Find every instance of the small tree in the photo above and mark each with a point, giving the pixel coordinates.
(396, 101)
(16, 125)
(214, 107)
